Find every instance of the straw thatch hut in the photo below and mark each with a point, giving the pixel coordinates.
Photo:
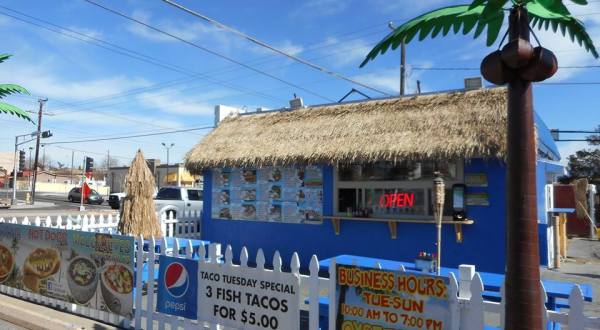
(138, 216)
(438, 126)
(356, 178)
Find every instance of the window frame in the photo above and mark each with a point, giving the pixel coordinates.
(423, 184)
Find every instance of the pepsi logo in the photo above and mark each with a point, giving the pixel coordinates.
(176, 280)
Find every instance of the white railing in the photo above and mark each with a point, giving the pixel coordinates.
(186, 226)
(90, 223)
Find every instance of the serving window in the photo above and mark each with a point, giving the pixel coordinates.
(392, 190)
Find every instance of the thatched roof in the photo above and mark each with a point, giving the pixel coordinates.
(436, 126)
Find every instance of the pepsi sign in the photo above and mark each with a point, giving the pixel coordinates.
(177, 287)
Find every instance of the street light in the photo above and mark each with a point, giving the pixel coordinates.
(33, 135)
(168, 147)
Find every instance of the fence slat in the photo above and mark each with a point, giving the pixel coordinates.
(313, 294)
(474, 316)
(576, 317)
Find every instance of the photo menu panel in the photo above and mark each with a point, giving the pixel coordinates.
(276, 194)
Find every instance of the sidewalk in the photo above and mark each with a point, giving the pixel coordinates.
(32, 316)
(21, 205)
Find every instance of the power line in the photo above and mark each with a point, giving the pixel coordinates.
(155, 61)
(125, 51)
(274, 49)
(130, 136)
(210, 51)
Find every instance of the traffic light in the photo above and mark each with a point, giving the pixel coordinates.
(21, 160)
(89, 164)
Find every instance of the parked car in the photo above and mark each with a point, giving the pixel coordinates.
(93, 198)
(115, 200)
(176, 200)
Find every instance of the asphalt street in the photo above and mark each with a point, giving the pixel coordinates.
(52, 204)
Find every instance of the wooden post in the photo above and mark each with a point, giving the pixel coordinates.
(562, 223)
(557, 240)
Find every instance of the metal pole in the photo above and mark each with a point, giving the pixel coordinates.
(523, 295)
(402, 67)
(402, 61)
(81, 207)
(37, 148)
(168, 166)
(438, 212)
(30, 181)
(72, 160)
(14, 176)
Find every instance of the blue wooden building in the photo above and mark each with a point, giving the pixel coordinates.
(356, 178)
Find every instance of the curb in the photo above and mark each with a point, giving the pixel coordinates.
(31, 320)
(32, 316)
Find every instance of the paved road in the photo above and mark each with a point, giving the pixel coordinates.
(53, 204)
(4, 325)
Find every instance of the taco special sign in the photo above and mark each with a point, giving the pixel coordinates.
(89, 269)
(369, 299)
(248, 298)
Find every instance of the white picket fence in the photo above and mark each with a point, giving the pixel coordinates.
(466, 298)
(186, 226)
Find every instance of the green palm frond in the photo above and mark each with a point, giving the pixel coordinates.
(11, 109)
(4, 57)
(7, 89)
(455, 18)
(544, 17)
(482, 14)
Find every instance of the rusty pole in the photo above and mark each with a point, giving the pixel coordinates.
(523, 297)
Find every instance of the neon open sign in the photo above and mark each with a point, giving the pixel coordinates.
(399, 199)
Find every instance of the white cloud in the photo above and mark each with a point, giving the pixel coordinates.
(289, 47)
(177, 102)
(185, 30)
(349, 52)
(388, 80)
(569, 148)
(314, 8)
(39, 80)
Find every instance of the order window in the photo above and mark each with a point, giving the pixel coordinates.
(393, 190)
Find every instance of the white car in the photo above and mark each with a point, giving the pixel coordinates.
(176, 200)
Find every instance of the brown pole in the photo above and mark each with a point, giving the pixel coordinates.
(523, 297)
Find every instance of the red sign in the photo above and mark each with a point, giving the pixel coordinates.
(400, 199)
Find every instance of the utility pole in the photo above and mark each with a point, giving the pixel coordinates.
(168, 168)
(29, 167)
(402, 62)
(72, 164)
(37, 148)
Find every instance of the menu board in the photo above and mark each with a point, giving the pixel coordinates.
(277, 194)
(89, 269)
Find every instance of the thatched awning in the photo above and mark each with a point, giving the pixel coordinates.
(437, 126)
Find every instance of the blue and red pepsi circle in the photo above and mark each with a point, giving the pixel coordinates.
(177, 287)
(177, 279)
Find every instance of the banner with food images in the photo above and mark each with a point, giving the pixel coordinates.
(277, 194)
(89, 269)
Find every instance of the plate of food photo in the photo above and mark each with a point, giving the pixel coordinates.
(39, 264)
(7, 263)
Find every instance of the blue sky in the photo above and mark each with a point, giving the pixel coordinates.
(96, 93)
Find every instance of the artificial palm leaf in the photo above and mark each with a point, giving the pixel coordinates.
(7, 89)
(544, 16)
(483, 14)
(11, 109)
(463, 17)
(4, 57)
